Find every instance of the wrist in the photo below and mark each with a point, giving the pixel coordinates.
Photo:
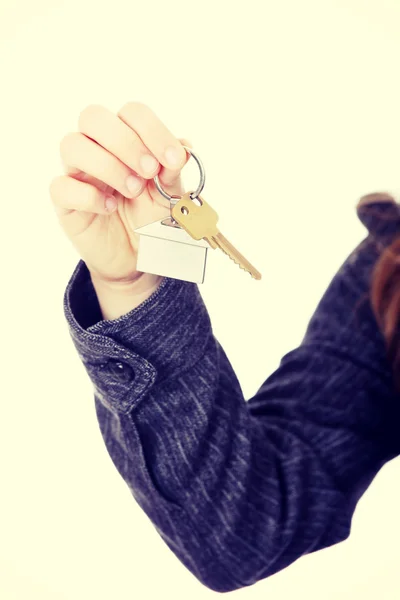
(119, 298)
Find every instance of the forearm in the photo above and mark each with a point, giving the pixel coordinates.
(118, 299)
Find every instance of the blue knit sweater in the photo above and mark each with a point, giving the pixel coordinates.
(237, 489)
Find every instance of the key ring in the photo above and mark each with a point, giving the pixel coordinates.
(201, 184)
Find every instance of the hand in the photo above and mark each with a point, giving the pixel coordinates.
(100, 161)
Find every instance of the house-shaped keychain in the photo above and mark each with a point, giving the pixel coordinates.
(166, 249)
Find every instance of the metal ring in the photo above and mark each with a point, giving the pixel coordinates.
(202, 178)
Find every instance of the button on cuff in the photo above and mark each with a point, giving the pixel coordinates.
(120, 378)
(120, 370)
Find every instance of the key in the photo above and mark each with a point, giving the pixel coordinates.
(200, 222)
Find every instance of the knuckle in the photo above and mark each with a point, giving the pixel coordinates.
(134, 148)
(54, 187)
(87, 115)
(91, 197)
(134, 107)
(67, 143)
(185, 142)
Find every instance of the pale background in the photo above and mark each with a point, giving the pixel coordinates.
(293, 108)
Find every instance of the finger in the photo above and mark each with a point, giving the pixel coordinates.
(79, 152)
(168, 177)
(69, 194)
(154, 134)
(82, 176)
(104, 127)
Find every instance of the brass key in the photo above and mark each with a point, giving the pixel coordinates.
(200, 222)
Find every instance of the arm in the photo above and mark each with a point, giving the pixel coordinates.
(117, 299)
(239, 490)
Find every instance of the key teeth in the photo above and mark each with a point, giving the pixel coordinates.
(236, 262)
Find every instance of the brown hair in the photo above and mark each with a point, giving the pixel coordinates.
(385, 287)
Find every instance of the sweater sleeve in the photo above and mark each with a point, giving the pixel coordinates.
(237, 489)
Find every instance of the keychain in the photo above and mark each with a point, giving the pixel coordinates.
(166, 249)
(177, 247)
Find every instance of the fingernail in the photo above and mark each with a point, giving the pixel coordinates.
(148, 163)
(111, 204)
(134, 184)
(173, 156)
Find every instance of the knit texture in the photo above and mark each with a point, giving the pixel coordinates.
(239, 489)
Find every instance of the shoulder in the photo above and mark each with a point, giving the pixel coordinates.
(379, 212)
(344, 318)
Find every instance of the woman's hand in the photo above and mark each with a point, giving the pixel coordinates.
(115, 156)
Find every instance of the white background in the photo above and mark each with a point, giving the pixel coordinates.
(293, 108)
